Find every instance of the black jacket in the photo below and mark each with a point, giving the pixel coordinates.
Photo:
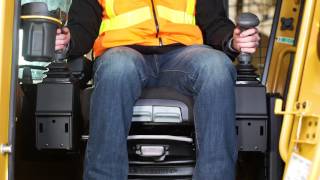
(85, 18)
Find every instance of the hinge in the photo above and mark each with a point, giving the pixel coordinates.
(300, 109)
(310, 135)
(5, 149)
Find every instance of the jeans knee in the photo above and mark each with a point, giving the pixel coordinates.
(215, 65)
(117, 64)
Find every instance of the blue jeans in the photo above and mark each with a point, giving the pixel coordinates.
(199, 71)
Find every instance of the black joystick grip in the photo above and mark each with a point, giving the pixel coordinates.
(246, 21)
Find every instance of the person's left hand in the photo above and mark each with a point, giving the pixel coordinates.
(246, 41)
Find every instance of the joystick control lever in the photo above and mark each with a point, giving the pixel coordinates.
(246, 72)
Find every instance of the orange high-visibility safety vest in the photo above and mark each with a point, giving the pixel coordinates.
(147, 23)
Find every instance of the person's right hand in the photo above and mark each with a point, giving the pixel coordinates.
(62, 38)
(246, 41)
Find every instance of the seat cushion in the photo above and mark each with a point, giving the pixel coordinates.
(161, 93)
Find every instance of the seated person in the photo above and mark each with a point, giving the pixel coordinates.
(187, 45)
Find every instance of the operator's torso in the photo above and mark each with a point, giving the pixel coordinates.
(147, 23)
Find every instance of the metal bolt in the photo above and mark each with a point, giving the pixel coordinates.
(256, 148)
(61, 145)
(304, 105)
(5, 149)
(46, 145)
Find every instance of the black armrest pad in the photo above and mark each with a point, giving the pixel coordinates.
(81, 69)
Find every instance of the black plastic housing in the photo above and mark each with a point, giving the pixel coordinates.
(39, 33)
(57, 123)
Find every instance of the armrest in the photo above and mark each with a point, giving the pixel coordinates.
(81, 69)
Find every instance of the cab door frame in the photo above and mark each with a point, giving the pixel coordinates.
(9, 25)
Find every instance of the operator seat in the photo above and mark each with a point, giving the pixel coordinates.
(161, 139)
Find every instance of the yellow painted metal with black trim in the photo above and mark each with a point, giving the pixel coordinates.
(284, 45)
(300, 135)
(6, 35)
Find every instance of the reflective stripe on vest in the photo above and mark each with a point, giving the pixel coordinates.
(175, 16)
(134, 17)
(191, 6)
(126, 20)
(109, 4)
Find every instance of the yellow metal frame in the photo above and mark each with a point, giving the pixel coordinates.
(300, 132)
(281, 58)
(278, 69)
(296, 78)
(6, 36)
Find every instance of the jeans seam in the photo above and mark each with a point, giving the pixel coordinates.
(143, 77)
(191, 77)
(155, 60)
(96, 72)
(196, 130)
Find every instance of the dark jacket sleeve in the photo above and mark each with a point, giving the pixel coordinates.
(215, 25)
(84, 23)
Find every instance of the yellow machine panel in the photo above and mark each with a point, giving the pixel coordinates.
(284, 45)
(6, 29)
(300, 135)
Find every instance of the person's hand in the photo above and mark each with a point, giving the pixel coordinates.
(62, 38)
(246, 41)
